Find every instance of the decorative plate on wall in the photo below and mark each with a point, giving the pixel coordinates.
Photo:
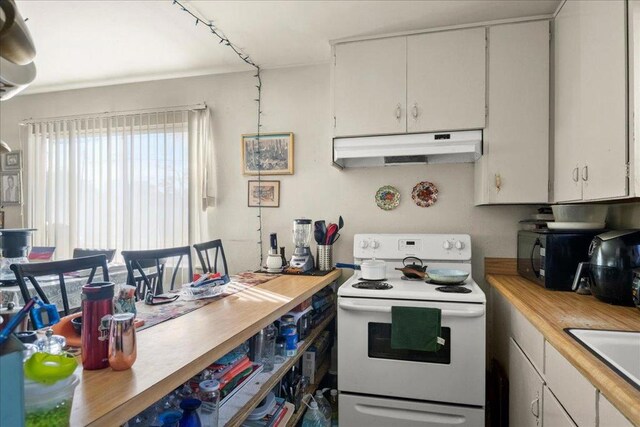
(387, 197)
(425, 194)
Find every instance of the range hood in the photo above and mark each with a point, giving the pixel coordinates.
(417, 148)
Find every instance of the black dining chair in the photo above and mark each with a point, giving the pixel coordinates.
(32, 271)
(213, 247)
(80, 253)
(146, 268)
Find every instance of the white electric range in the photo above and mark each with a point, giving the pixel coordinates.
(381, 386)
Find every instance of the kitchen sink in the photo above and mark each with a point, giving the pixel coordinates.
(618, 349)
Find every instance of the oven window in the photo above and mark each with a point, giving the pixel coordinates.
(380, 347)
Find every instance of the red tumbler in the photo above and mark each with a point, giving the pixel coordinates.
(97, 309)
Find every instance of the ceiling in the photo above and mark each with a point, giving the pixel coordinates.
(93, 43)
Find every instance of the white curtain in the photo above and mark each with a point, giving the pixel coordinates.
(203, 180)
(118, 181)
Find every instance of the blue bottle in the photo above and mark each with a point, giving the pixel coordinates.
(190, 417)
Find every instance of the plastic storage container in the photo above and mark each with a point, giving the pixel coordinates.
(269, 348)
(49, 405)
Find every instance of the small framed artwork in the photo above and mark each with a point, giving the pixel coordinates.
(271, 154)
(12, 161)
(11, 191)
(263, 193)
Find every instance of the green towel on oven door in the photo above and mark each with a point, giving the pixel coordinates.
(415, 328)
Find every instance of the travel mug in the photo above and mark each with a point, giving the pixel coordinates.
(97, 309)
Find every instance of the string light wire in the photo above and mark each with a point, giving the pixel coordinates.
(222, 39)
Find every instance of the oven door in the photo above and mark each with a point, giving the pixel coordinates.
(367, 363)
(358, 411)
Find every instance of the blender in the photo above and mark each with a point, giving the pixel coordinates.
(302, 257)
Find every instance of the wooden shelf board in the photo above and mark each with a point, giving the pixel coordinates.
(234, 412)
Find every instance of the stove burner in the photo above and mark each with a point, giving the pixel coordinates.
(454, 289)
(372, 280)
(373, 285)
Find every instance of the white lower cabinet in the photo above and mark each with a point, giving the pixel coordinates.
(609, 416)
(525, 390)
(553, 414)
(545, 389)
(577, 394)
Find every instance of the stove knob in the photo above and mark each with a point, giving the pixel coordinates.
(459, 245)
(364, 244)
(446, 245)
(375, 244)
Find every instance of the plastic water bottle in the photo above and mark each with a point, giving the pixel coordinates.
(324, 406)
(333, 401)
(313, 417)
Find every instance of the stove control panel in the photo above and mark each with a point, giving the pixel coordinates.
(445, 247)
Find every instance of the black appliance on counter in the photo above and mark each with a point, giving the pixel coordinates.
(613, 256)
(550, 257)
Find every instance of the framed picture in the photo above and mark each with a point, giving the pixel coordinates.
(12, 161)
(11, 191)
(271, 153)
(265, 193)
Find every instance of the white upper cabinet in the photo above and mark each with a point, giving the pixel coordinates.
(370, 87)
(427, 82)
(567, 154)
(446, 80)
(590, 122)
(604, 103)
(515, 163)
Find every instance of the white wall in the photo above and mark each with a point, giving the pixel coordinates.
(296, 100)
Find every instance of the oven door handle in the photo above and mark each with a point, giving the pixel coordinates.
(348, 306)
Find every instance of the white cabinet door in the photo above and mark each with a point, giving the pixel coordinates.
(590, 122)
(369, 87)
(609, 416)
(516, 139)
(553, 414)
(525, 390)
(568, 157)
(577, 394)
(603, 103)
(446, 80)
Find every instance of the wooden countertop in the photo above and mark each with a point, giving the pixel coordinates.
(552, 311)
(172, 352)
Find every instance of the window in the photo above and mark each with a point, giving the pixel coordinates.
(117, 181)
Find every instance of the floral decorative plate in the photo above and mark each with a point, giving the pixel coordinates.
(387, 197)
(424, 194)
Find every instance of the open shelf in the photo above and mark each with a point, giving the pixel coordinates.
(322, 371)
(235, 411)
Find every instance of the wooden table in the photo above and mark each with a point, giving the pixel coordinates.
(552, 311)
(172, 352)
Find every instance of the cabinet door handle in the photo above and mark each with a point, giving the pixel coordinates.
(398, 112)
(414, 111)
(576, 173)
(585, 173)
(498, 181)
(535, 407)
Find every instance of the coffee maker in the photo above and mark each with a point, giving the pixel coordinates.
(302, 258)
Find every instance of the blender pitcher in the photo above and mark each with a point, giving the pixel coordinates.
(302, 257)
